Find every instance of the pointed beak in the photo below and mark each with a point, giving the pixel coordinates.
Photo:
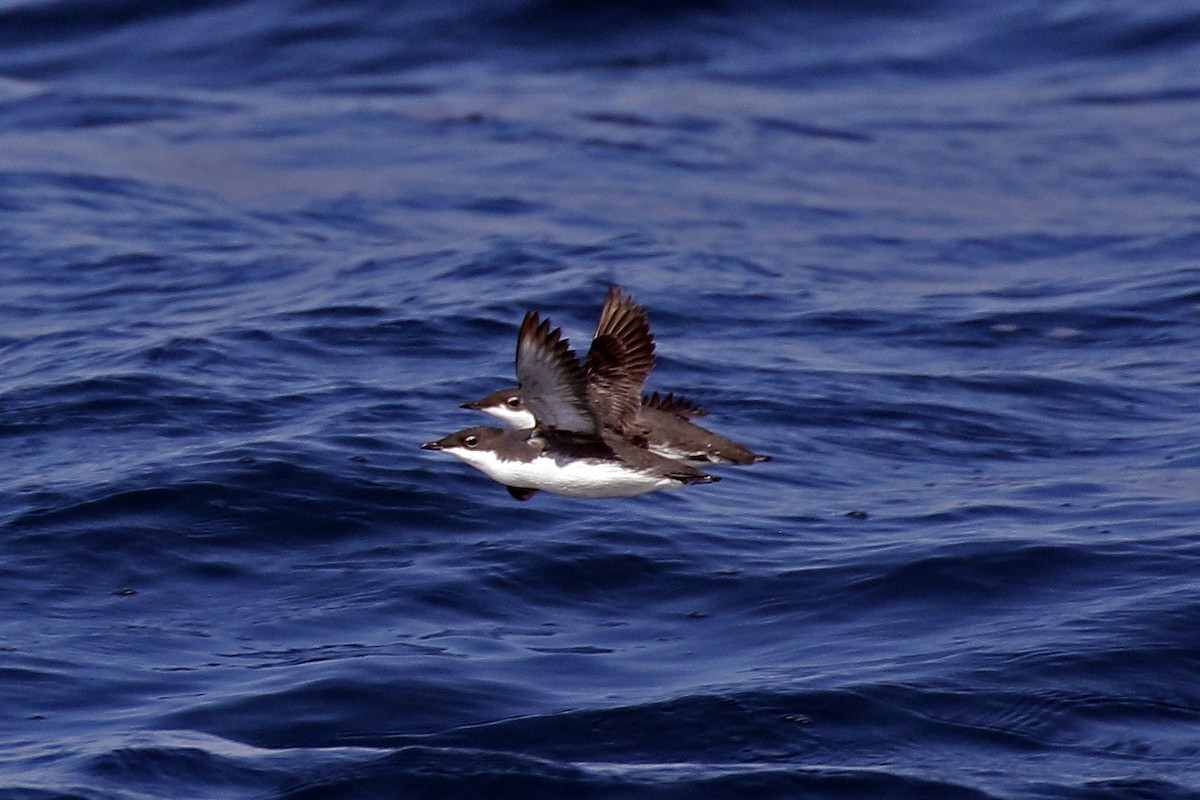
(432, 446)
(474, 404)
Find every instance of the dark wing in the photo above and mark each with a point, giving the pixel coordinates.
(645, 459)
(553, 385)
(670, 404)
(619, 360)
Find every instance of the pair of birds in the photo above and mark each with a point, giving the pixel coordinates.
(583, 429)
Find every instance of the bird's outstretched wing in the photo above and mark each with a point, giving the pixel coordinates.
(553, 383)
(617, 364)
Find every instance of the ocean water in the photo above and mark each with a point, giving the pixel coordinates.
(941, 261)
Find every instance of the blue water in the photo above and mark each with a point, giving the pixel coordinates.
(941, 261)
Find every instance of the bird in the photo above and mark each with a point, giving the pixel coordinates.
(584, 439)
(622, 353)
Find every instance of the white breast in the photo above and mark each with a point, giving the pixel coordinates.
(575, 478)
(514, 419)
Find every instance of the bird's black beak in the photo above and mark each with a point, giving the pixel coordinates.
(473, 404)
(432, 446)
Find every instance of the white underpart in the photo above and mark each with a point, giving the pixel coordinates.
(573, 478)
(679, 455)
(519, 418)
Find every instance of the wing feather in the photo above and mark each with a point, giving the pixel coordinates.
(670, 404)
(553, 383)
(618, 362)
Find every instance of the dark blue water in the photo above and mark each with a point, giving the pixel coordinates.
(942, 261)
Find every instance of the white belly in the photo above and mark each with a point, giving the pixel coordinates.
(575, 479)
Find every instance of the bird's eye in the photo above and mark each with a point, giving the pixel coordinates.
(513, 401)
(471, 440)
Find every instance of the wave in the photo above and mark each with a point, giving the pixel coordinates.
(271, 41)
